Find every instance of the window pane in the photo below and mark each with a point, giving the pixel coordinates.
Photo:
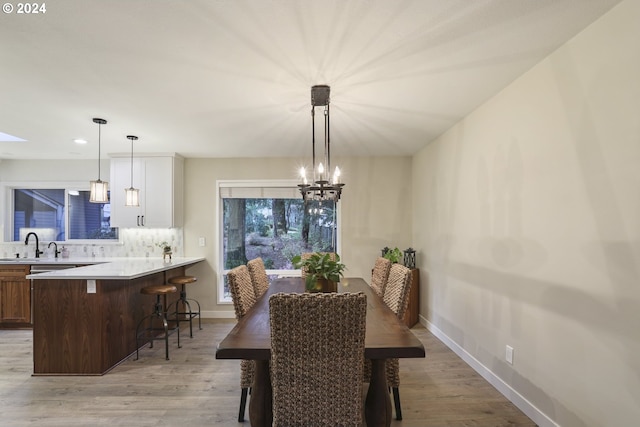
(89, 220)
(275, 230)
(40, 211)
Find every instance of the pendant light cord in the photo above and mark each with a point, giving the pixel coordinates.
(99, 137)
(131, 162)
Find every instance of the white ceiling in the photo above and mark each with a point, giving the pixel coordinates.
(232, 78)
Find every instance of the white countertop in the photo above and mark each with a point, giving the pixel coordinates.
(58, 261)
(112, 268)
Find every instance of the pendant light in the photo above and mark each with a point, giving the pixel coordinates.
(99, 189)
(132, 195)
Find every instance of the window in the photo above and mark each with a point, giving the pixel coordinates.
(89, 220)
(61, 215)
(273, 223)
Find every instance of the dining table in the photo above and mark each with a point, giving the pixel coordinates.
(386, 337)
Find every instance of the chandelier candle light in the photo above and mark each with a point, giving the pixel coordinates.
(99, 190)
(322, 188)
(132, 195)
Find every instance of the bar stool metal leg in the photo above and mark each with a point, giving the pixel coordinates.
(186, 310)
(159, 314)
(183, 306)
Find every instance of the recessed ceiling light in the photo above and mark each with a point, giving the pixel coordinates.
(5, 137)
(80, 141)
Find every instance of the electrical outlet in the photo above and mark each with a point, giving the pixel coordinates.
(509, 355)
(201, 241)
(91, 286)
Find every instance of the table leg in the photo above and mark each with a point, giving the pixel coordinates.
(260, 409)
(377, 406)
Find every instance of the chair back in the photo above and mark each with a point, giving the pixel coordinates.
(396, 293)
(242, 293)
(380, 275)
(307, 255)
(259, 277)
(317, 358)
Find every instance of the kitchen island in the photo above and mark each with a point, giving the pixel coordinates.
(84, 318)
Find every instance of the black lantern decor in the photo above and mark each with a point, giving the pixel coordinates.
(410, 258)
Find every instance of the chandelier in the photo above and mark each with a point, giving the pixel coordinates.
(324, 185)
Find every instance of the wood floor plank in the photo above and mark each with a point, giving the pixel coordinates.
(195, 389)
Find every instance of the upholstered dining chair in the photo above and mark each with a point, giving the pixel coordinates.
(307, 255)
(396, 297)
(244, 297)
(380, 275)
(317, 357)
(259, 276)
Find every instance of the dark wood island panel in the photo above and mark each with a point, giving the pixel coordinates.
(80, 333)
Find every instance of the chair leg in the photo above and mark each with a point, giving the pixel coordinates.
(396, 401)
(160, 314)
(166, 335)
(243, 404)
(199, 316)
(186, 310)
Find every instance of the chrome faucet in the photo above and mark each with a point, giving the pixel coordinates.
(56, 251)
(26, 242)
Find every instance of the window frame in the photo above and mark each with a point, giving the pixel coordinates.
(262, 183)
(7, 206)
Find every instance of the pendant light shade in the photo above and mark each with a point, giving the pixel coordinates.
(132, 195)
(99, 190)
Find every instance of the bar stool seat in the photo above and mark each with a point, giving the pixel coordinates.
(186, 313)
(152, 332)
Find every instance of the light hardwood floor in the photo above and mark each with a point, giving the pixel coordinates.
(194, 389)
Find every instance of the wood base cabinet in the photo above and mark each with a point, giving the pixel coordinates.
(413, 309)
(81, 333)
(15, 297)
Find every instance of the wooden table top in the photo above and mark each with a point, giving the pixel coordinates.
(386, 335)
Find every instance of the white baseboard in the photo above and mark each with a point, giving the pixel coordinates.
(537, 416)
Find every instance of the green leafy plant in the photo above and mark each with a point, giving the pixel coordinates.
(166, 247)
(394, 255)
(319, 266)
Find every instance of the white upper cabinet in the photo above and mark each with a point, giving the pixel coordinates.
(160, 181)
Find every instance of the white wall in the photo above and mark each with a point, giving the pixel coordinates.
(527, 221)
(53, 170)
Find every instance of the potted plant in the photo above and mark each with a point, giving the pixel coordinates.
(323, 272)
(166, 249)
(394, 255)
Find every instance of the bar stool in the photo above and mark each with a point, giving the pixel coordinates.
(190, 314)
(159, 312)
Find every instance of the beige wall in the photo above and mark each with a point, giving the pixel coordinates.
(527, 222)
(375, 208)
(375, 212)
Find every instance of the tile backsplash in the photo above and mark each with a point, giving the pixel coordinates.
(134, 242)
